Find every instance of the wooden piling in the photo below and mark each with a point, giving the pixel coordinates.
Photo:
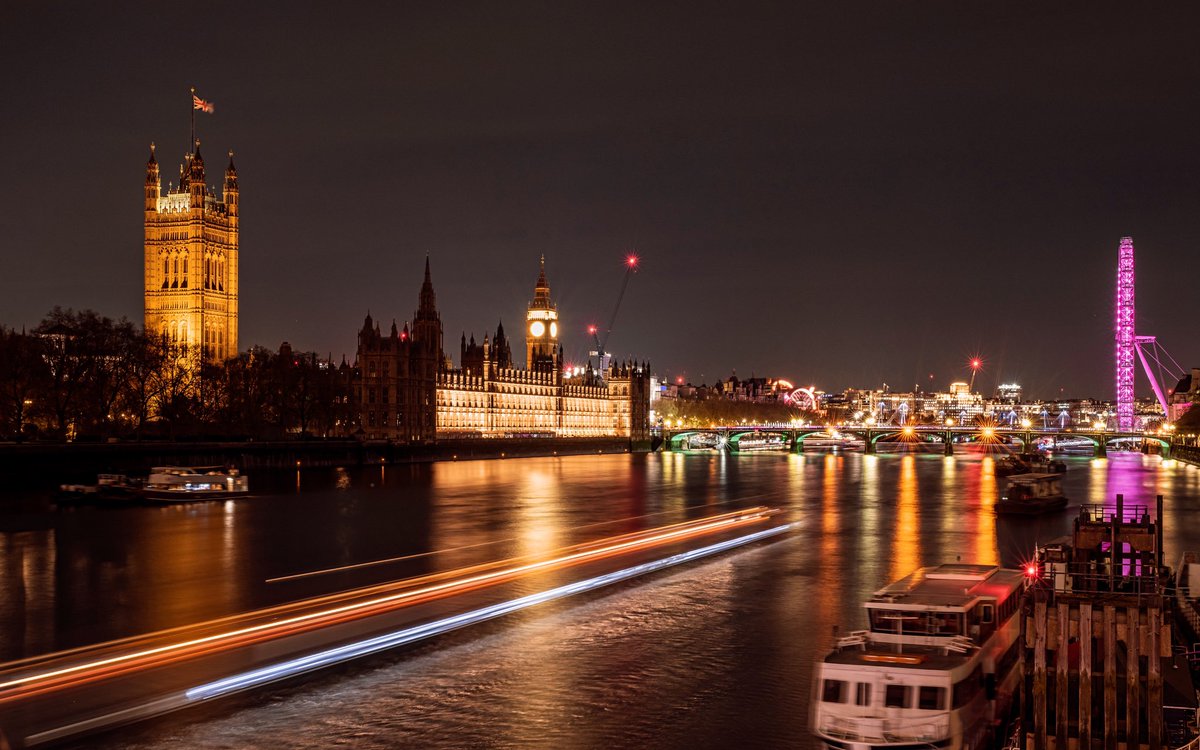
(1110, 677)
(1085, 674)
(1062, 677)
(1154, 726)
(1133, 678)
(1039, 674)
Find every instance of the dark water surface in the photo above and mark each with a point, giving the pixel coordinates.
(718, 654)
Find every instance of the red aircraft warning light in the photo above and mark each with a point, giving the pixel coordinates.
(631, 260)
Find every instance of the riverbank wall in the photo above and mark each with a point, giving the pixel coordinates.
(1187, 453)
(53, 464)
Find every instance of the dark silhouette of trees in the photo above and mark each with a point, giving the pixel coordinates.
(82, 376)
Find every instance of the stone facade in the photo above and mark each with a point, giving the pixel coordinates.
(191, 259)
(409, 391)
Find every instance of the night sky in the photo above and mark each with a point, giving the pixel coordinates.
(842, 196)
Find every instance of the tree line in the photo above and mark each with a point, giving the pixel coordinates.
(81, 376)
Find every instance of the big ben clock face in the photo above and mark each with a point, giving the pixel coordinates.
(537, 328)
(554, 330)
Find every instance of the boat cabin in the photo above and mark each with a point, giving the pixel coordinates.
(950, 600)
(1033, 487)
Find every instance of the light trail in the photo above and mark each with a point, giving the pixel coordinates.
(355, 650)
(120, 664)
(431, 553)
(329, 657)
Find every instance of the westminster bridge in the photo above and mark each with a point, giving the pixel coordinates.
(738, 438)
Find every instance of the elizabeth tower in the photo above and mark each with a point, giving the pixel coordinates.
(191, 259)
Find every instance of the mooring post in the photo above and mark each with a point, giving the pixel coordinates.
(1062, 676)
(1110, 677)
(1085, 675)
(1158, 534)
(1133, 634)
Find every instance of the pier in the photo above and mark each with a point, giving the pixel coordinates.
(1100, 670)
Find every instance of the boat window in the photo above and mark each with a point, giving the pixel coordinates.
(949, 623)
(916, 622)
(931, 698)
(896, 696)
(862, 695)
(986, 613)
(834, 691)
(895, 621)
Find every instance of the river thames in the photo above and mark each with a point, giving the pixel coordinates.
(716, 654)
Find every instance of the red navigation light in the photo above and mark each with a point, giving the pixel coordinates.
(975, 363)
(592, 330)
(1031, 570)
(631, 260)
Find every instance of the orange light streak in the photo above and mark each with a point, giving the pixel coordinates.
(120, 664)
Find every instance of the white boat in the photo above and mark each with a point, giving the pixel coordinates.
(187, 484)
(937, 668)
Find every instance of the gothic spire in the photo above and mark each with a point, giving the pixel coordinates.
(428, 307)
(541, 292)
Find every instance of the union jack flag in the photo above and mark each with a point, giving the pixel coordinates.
(200, 104)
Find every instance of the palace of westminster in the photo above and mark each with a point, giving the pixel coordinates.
(407, 388)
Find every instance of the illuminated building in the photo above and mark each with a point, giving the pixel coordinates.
(1009, 393)
(409, 390)
(191, 259)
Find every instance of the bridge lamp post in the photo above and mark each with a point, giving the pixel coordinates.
(1025, 423)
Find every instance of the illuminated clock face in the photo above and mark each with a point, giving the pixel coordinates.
(554, 330)
(537, 328)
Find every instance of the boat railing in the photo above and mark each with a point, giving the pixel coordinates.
(1130, 578)
(876, 729)
(960, 644)
(856, 639)
(1106, 514)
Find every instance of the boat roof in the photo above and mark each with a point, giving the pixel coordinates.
(190, 469)
(885, 657)
(1033, 477)
(950, 585)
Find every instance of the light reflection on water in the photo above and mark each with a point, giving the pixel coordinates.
(716, 655)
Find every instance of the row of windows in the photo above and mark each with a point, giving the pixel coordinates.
(927, 697)
(923, 697)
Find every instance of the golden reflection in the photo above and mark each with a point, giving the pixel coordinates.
(906, 546)
(985, 514)
(830, 481)
(538, 530)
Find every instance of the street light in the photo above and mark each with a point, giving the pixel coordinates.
(949, 422)
(1026, 423)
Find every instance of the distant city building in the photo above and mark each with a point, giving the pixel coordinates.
(410, 391)
(1185, 393)
(1008, 393)
(191, 259)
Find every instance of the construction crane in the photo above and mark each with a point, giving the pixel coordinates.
(600, 353)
